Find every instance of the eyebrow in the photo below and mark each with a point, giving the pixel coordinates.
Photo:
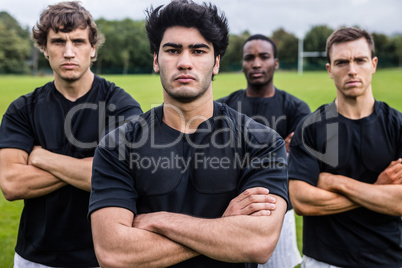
(193, 46)
(348, 59)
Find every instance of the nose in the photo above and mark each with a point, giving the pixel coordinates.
(69, 50)
(256, 63)
(352, 69)
(184, 61)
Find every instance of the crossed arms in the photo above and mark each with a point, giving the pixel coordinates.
(336, 193)
(247, 232)
(24, 176)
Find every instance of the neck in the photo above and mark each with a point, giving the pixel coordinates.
(262, 91)
(73, 90)
(186, 117)
(355, 108)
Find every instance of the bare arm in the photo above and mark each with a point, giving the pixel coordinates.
(239, 238)
(19, 180)
(76, 172)
(386, 199)
(309, 200)
(118, 244)
(115, 238)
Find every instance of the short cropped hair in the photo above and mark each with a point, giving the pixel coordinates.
(212, 25)
(65, 17)
(346, 35)
(262, 37)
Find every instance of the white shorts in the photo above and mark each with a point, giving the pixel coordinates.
(286, 253)
(20, 262)
(313, 263)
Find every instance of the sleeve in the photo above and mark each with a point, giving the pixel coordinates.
(302, 164)
(223, 100)
(299, 111)
(15, 130)
(112, 180)
(265, 164)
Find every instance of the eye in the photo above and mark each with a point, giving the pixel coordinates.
(341, 63)
(172, 51)
(79, 41)
(58, 41)
(198, 52)
(360, 61)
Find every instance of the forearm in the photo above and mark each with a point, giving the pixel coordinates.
(386, 199)
(26, 182)
(309, 200)
(119, 245)
(239, 238)
(73, 171)
(18, 180)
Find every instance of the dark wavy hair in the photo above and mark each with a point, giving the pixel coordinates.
(348, 34)
(65, 17)
(262, 37)
(206, 18)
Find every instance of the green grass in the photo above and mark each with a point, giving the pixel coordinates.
(315, 88)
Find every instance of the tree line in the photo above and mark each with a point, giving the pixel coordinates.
(126, 50)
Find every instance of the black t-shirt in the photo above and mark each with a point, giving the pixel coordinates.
(146, 166)
(54, 229)
(360, 149)
(281, 112)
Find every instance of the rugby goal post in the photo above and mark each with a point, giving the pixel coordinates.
(306, 54)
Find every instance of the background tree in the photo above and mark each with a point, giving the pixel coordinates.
(315, 41)
(397, 39)
(232, 60)
(14, 45)
(287, 46)
(385, 50)
(126, 49)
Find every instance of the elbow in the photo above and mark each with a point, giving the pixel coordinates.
(106, 259)
(10, 192)
(262, 252)
(299, 210)
(111, 259)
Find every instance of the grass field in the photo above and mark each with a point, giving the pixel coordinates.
(315, 88)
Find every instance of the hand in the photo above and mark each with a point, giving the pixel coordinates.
(392, 174)
(326, 181)
(35, 155)
(254, 201)
(288, 139)
(145, 221)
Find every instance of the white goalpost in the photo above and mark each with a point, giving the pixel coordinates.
(306, 54)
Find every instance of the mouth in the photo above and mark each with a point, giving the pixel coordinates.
(184, 78)
(256, 74)
(69, 65)
(353, 83)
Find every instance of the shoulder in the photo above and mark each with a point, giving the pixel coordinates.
(388, 114)
(114, 94)
(30, 99)
(293, 101)
(315, 122)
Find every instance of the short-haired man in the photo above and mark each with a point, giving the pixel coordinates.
(188, 184)
(345, 166)
(277, 109)
(48, 138)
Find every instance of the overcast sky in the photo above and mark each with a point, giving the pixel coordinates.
(256, 16)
